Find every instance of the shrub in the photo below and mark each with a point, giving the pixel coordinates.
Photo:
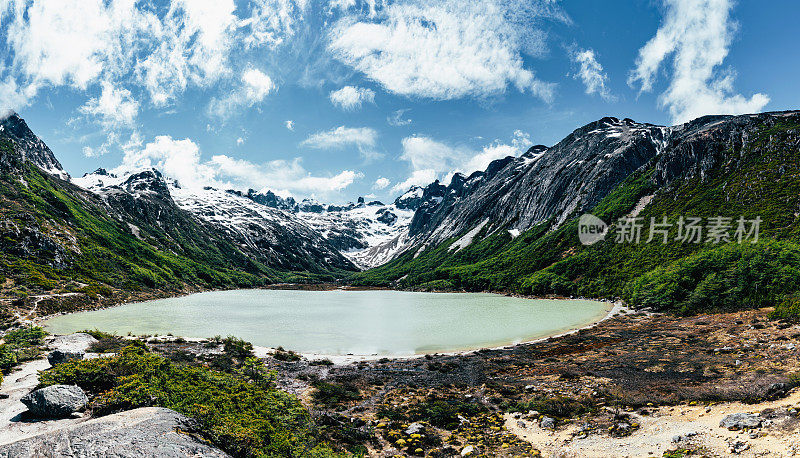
(241, 417)
(237, 348)
(25, 337)
(286, 355)
(787, 309)
(8, 358)
(332, 394)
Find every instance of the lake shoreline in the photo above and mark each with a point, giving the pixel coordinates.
(610, 310)
(502, 335)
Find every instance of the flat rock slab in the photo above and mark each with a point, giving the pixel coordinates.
(77, 342)
(147, 431)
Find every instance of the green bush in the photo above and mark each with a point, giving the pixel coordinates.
(8, 358)
(25, 337)
(787, 309)
(237, 348)
(241, 417)
(332, 394)
(729, 277)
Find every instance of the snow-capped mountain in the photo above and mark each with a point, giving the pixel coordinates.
(365, 234)
(275, 237)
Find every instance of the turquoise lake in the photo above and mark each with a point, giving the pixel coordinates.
(338, 322)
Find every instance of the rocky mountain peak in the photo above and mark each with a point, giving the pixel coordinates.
(28, 147)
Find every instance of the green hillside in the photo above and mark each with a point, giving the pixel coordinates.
(759, 180)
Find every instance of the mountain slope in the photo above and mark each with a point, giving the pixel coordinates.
(729, 166)
(273, 237)
(64, 247)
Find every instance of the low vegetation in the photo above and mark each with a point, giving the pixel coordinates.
(240, 411)
(20, 345)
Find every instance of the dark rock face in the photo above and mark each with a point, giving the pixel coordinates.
(387, 218)
(55, 401)
(62, 356)
(269, 199)
(143, 432)
(29, 147)
(544, 183)
(570, 178)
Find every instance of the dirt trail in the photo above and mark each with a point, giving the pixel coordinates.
(697, 426)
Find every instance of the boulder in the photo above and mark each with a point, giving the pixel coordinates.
(55, 401)
(742, 420)
(79, 341)
(147, 431)
(415, 428)
(548, 422)
(62, 356)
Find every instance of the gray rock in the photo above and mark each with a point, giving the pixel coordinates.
(468, 450)
(144, 432)
(415, 428)
(77, 342)
(739, 446)
(55, 401)
(62, 356)
(548, 423)
(742, 420)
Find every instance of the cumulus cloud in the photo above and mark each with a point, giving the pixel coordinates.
(289, 124)
(381, 183)
(363, 138)
(430, 159)
(591, 73)
(447, 49)
(696, 36)
(256, 85)
(160, 49)
(181, 159)
(113, 107)
(351, 98)
(417, 178)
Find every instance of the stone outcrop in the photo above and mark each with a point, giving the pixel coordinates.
(55, 401)
(143, 432)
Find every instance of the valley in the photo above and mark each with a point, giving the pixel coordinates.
(710, 329)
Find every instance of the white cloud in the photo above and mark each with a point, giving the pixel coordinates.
(417, 178)
(431, 158)
(289, 124)
(194, 38)
(239, 141)
(181, 160)
(381, 183)
(162, 49)
(696, 35)
(114, 107)
(256, 85)
(272, 22)
(425, 153)
(397, 118)
(446, 49)
(281, 174)
(352, 97)
(363, 138)
(591, 73)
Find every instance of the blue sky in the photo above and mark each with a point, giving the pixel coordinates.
(347, 98)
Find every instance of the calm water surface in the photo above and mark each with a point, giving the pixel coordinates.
(342, 322)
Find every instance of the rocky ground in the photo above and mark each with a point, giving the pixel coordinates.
(635, 385)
